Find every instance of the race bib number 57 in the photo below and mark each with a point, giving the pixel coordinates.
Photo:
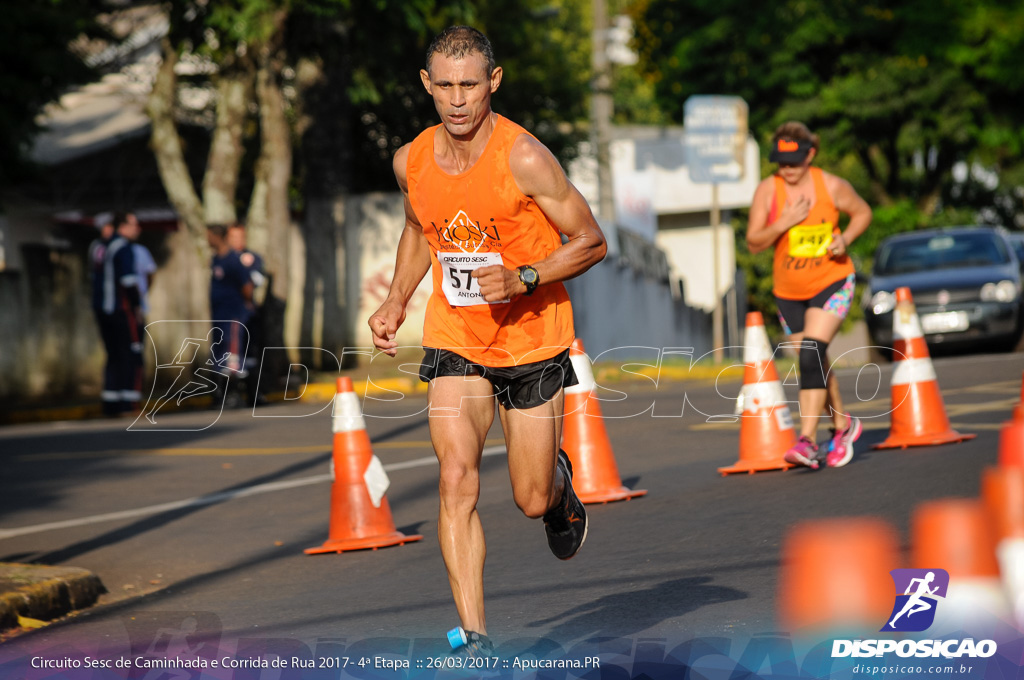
(457, 282)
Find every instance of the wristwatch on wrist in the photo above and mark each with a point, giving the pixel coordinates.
(530, 278)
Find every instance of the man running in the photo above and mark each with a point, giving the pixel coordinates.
(486, 207)
(915, 603)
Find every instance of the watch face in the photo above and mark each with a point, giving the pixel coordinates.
(528, 275)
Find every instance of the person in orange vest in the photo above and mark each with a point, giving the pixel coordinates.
(486, 206)
(796, 212)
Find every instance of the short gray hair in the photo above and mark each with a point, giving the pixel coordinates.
(459, 41)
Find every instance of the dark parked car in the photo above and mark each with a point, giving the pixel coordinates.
(966, 283)
(1017, 241)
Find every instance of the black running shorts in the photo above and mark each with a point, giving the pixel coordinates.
(518, 387)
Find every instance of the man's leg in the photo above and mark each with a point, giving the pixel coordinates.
(461, 413)
(542, 475)
(532, 437)
(111, 394)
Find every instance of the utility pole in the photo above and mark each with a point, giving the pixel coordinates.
(601, 108)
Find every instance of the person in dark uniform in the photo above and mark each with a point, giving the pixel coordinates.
(231, 305)
(117, 302)
(257, 334)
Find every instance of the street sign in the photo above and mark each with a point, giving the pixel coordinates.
(715, 131)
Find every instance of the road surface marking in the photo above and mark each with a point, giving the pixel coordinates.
(224, 451)
(214, 498)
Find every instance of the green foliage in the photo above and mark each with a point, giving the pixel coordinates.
(900, 91)
(536, 42)
(372, 51)
(38, 68)
(909, 88)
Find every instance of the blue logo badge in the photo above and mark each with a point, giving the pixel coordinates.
(914, 610)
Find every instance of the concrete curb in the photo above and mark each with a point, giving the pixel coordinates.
(44, 593)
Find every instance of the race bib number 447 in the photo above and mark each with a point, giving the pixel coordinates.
(457, 282)
(810, 240)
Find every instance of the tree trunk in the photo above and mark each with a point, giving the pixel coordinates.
(276, 168)
(270, 223)
(328, 161)
(220, 183)
(166, 146)
(878, 191)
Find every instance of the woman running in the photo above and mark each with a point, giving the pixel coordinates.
(796, 211)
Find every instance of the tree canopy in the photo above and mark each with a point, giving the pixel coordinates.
(915, 101)
(39, 65)
(901, 91)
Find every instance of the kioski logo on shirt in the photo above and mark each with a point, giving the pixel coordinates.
(915, 608)
(462, 233)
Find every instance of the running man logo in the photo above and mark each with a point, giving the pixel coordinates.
(197, 376)
(914, 610)
(466, 235)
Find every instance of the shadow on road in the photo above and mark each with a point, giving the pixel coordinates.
(626, 613)
(162, 519)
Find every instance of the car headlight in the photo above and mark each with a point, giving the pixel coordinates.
(882, 302)
(1004, 291)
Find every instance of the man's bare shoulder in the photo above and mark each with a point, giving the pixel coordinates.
(533, 166)
(400, 164)
(528, 151)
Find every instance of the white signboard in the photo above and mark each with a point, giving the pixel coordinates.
(715, 129)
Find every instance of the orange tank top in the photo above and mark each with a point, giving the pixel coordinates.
(802, 267)
(480, 218)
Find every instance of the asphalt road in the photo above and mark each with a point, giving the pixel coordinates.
(201, 527)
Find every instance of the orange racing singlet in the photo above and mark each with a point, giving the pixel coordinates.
(802, 266)
(480, 218)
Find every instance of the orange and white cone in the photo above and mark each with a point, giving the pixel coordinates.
(1002, 491)
(956, 534)
(918, 412)
(835, 575)
(1011, 437)
(766, 424)
(360, 514)
(595, 476)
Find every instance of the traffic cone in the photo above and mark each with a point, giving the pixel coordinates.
(1002, 491)
(360, 514)
(595, 477)
(835, 575)
(955, 534)
(918, 413)
(766, 425)
(1011, 437)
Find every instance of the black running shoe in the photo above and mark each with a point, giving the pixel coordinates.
(566, 523)
(476, 646)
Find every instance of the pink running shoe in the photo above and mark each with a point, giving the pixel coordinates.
(804, 452)
(840, 447)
